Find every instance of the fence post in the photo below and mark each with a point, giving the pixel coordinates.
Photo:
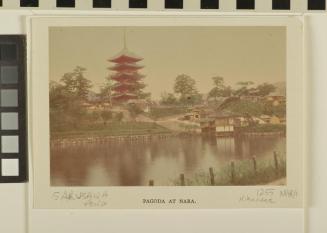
(254, 164)
(151, 183)
(212, 177)
(232, 166)
(276, 162)
(182, 179)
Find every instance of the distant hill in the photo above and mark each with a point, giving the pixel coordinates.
(280, 89)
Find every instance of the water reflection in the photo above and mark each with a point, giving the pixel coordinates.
(132, 164)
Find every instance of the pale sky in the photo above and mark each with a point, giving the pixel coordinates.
(255, 54)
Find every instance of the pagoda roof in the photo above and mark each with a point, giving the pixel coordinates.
(134, 85)
(125, 67)
(127, 75)
(125, 56)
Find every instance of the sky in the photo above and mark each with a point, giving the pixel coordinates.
(256, 54)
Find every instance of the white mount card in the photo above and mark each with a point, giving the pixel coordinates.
(167, 112)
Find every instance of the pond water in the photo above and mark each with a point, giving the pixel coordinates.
(134, 164)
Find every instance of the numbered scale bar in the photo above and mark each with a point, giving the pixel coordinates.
(221, 5)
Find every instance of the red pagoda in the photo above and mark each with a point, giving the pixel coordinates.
(128, 84)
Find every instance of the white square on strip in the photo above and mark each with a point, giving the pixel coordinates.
(9, 167)
(9, 144)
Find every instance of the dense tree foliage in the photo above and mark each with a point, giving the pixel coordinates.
(106, 90)
(219, 89)
(265, 89)
(185, 88)
(168, 99)
(67, 97)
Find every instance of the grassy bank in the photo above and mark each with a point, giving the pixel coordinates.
(244, 173)
(112, 129)
(157, 113)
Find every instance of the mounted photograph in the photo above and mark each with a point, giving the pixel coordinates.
(155, 113)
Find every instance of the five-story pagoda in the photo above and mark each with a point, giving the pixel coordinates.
(128, 81)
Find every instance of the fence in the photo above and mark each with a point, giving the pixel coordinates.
(255, 171)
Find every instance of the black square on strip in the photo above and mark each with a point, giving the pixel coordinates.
(281, 4)
(245, 4)
(65, 3)
(101, 3)
(8, 52)
(316, 4)
(29, 3)
(138, 3)
(209, 4)
(174, 4)
(0, 2)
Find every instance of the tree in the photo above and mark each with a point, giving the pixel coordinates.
(66, 98)
(185, 87)
(143, 95)
(58, 96)
(83, 85)
(227, 92)
(106, 116)
(105, 90)
(68, 82)
(105, 94)
(219, 90)
(279, 110)
(191, 99)
(244, 88)
(119, 116)
(218, 82)
(265, 89)
(75, 83)
(245, 83)
(134, 110)
(168, 99)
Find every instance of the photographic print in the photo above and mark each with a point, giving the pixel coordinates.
(167, 106)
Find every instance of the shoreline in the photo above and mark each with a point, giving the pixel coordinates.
(148, 137)
(108, 139)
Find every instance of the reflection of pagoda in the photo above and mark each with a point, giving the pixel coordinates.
(128, 84)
